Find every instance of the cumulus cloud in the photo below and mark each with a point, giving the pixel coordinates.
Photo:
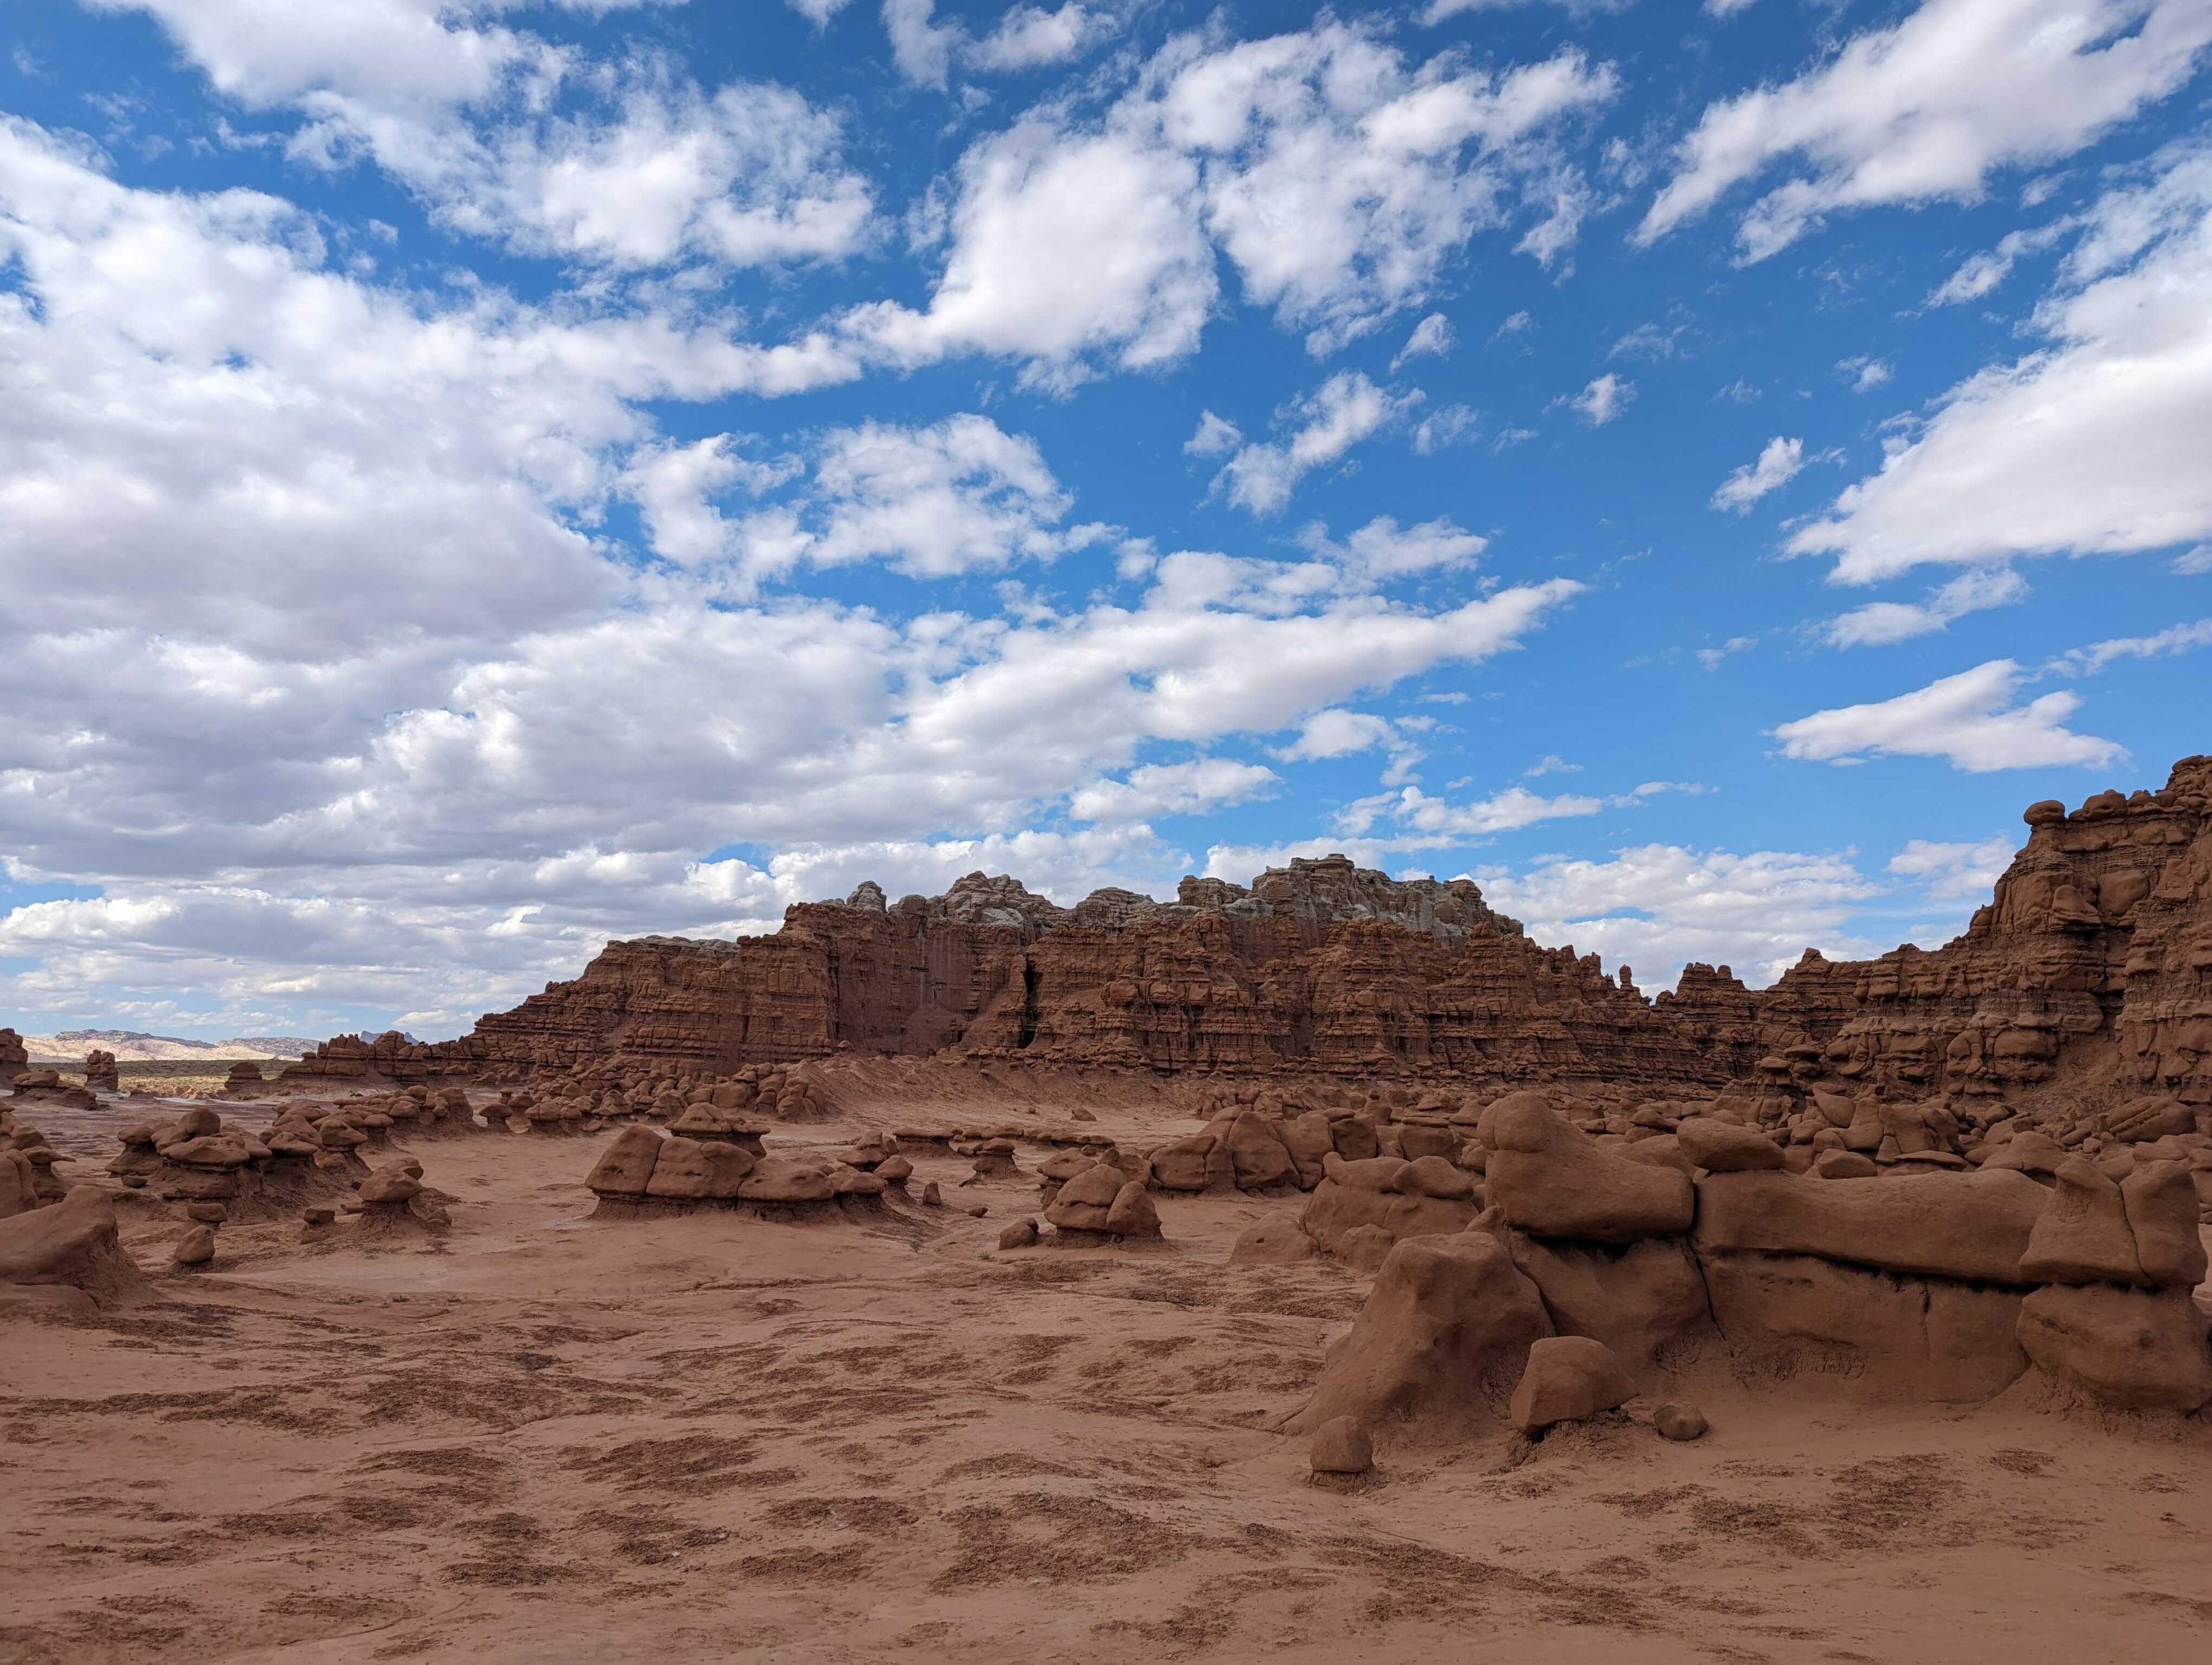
(1779, 463)
(1339, 733)
(1337, 178)
(1955, 871)
(2089, 444)
(1201, 784)
(1657, 905)
(1881, 622)
(1214, 436)
(1321, 427)
(1069, 247)
(320, 666)
(1927, 108)
(501, 135)
(1382, 550)
(925, 52)
(1972, 719)
(1602, 400)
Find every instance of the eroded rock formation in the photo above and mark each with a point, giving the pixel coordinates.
(2090, 972)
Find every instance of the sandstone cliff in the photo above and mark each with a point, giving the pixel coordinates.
(2091, 968)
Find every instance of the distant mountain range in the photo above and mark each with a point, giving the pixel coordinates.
(134, 1046)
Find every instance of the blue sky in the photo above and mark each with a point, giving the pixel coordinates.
(477, 479)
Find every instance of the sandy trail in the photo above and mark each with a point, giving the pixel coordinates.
(550, 1437)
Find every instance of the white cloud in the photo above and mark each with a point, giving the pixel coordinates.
(1328, 422)
(1446, 426)
(1503, 811)
(1188, 788)
(1955, 872)
(1971, 719)
(1551, 763)
(1028, 37)
(1926, 109)
(2174, 639)
(1779, 463)
(1339, 183)
(1881, 622)
(1711, 658)
(1980, 274)
(1338, 733)
(2191, 563)
(2091, 445)
(1602, 400)
(1727, 7)
(1432, 335)
(817, 12)
(1214, 436)
(673, 484)
(1656, 906)
(503, 135)
(318, 663)
(1337, 179)
(958, 496)
(1382, 550)
(1866, 373)
(1068, 247)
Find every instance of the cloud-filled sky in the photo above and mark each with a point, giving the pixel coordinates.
(478, 477)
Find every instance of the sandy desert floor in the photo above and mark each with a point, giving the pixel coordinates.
(548, 1436)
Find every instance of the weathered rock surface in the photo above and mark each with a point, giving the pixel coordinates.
(1552, 1180)
(1568, 1379)
(74, 1243)
(2138, 1349)
(1972, 1226)
(1443, 1338)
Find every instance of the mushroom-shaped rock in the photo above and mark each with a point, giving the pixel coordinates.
(1721, 1147)
(197, 1122)
(994, 1160)
(1568, 1378)
(1341, 1445)
(393, 1186)
(895, 1170)
(1133, 1214)
(213, 1150)
(1551, 1179)
(1444, 1337)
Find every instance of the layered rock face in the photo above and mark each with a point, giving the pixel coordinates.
(1321, 964)
(2089, 972)
(2091, 968)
